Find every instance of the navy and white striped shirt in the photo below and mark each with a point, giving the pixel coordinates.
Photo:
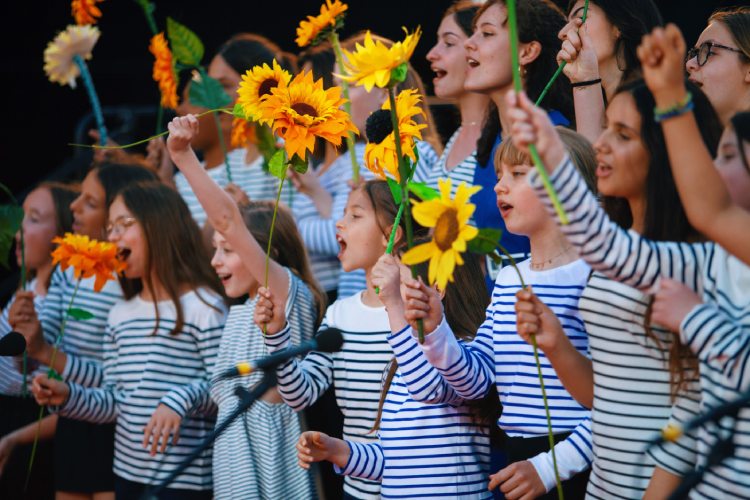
(83, 340)
(718, 331)
(258, 184)
(144, 368)
(425, 449)
(499, 355)
(356, 373)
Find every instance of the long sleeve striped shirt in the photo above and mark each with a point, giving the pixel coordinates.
(145, 366)
(718, 331)
(498, 355)
(356, 373)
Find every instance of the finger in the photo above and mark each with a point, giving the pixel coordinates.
(674, 35)
(164, 439)
(519, 491)
(304, 465)
(155, 433)
(147, 432)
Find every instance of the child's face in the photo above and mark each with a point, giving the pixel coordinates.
(621, 157)
(361, 240)
(487, 52)
(235, 277)
(522, 211)
(89, 212)
(39, 227)
(733, 171)
(225, 75)
(124, 231)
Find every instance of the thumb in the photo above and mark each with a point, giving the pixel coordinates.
(674, 38)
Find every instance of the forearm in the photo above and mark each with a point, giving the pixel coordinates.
(27, 434)
(363, 460)
(576, 373)
(588, 103)
(662, 484)
(574, 455)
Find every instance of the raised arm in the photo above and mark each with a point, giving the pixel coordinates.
(704, 194)
(221, 210)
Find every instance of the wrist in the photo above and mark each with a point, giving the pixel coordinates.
(670, 97)
(585, 77)
(339, 455)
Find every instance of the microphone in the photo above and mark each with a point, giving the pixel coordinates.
(673, 433)
(12, 344)
(328, 340)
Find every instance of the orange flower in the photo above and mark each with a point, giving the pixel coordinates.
(88, 258)
(331, 15)
(85, 11)
(243, 133)
(163, 72)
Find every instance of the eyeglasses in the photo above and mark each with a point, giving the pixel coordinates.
(703, 52)
(119, 226)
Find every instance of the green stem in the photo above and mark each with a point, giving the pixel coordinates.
(50, 373)
(270, 233)
(148, 11)
(513, 28)
(404, 174)
(334, 39)
(159, 119)
(223, 146)
(143, 141)
(562, 63)
(392, 237)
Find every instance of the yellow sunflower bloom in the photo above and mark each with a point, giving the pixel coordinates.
(88, 258)
(304, 110)
(330, 15)
(256, 85)
(243, 133)
(381, 157)
(85, 11)
(450, 219)
(58, 56)
(163, 72)
(372, 63)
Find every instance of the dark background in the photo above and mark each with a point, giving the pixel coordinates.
(40, 117)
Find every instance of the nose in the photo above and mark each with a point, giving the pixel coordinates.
(691, 65)
(601, 145)
(501, 187)
(75, 204)
(470, 43)
(216, 259)
(432, 55)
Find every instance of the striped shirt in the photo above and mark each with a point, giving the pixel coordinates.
(11, 367)
(83, 340)
(718, 331)
(426, 449)
(255, 457)
(258, 184)
(632, 396)
(143, 369)
(356, 372)
(498, 354)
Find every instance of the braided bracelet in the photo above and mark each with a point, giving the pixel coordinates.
(680, 108)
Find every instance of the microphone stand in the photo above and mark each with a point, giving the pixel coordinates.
(247, 398)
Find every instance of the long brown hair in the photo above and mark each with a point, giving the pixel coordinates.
(287, 248)
(176, 255)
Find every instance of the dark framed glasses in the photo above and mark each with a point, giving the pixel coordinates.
(703, 52)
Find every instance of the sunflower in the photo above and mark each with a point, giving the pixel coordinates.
(372, 63)
(451, 233)
(243, 133)
(331, 17)
(88, 258)
(256, 84)
(58, 56)
(304, 110)
(380, 152)
(85, 11)
(163, 72)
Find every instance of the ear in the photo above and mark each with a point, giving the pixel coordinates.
(397, 239)
(528, 52)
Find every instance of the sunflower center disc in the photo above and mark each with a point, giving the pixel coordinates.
(305, 109)
(266, 86)
(446, 229)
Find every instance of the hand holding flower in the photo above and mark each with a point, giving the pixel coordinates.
(269, 314)
(48, 391)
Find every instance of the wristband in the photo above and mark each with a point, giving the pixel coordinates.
(586, 83)
(680, 108)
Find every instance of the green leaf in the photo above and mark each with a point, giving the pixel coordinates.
(277, 164)
(208, 93)
(395, 190)
(187, 48)
(239, 112)
(398, 74)
(486, 241)
(11, 217)
(423, 191)
(79, 314)
(298, 164)
(51, 373)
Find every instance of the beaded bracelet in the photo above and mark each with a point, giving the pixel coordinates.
(586, 83)
(680, 108)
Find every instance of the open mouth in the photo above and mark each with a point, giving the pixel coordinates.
(123, 254)
(473, 63)
(224, 278)
(603, 170)
(696, 82)
(439, 73)
(342, 244)
(505, 208)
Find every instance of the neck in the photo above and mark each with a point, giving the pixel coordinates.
(252, 153)
(638, 211)
(159, 292)
(43, 274)
(611, 77)
(473, 107)
(550, 244)
(369, 297)
(498, 97)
